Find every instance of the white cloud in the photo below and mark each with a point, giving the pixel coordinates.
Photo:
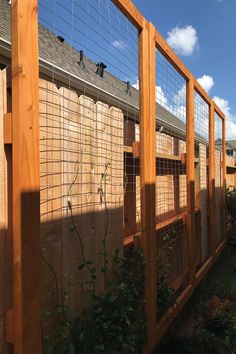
(207, 82)
(231, 128)
(178, 107)
(136, 85)
(230, 119)
(118, 44)
(223, 105)
(183, 40)
(160, 96)
(180, 97)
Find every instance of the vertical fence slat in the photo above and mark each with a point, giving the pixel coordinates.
(190, 180)
(26, 220)
(148, 168)
(224, 177)
(212, 179)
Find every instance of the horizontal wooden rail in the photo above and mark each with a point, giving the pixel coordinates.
(135, 150)
(167, 320)
(173, 58)
(131, 12)
(228, 167)
(218, 111)
(159, 225)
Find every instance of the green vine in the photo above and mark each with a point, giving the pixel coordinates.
(231, 204)
(115, 320)
(117, 317)
(165, 293)
(103, 200)
(74, 227)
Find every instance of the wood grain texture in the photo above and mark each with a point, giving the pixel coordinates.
(130, 11)
(7, 118)
(25, 150)
(204, 202)
(148, 169)
(173, 58)
(218, 196)
(5, 238)
(224, 178)
(212, 218)
(190, 180)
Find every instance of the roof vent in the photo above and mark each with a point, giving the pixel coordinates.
(128, 88)
(100, 69)
(61, 39)
(81, 59)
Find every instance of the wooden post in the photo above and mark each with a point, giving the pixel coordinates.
(190, 180)
(148, 169)
(224, 178)
(212, 219)
(25, 150)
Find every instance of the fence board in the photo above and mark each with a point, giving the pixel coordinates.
(5, 237)
(117, 175)
(203, 201)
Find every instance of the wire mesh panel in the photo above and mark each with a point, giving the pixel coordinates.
(89, 156)
(201, 124)
(218, 177)
(171, 188)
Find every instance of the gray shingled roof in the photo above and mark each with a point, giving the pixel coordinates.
(63, 57)
(231, 144)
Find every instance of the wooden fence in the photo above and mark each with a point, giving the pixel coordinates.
(230, 172)
(159, 182)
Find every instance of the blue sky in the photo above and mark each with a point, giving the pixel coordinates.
(214, 53)
(202, 32)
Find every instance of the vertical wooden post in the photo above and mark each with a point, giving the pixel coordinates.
(25, 150)
(212, 179)
(190, 180)
(224, 178)
(148, 168)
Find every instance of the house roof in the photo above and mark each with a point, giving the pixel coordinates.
(63, 59)
(231, 144)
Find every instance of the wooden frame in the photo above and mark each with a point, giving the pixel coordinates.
(212, 179)
(25, 157)
(224, 175)
(190, 180)
(148, 170)
(22, 130)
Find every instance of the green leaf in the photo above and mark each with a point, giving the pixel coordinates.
(72, 228)
(81, 266)
(71, 349)
(59, 309)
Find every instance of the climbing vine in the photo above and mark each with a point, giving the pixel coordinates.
(114, 322)
(165, 293)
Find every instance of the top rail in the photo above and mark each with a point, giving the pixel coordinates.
(131, 12)
(138, 20)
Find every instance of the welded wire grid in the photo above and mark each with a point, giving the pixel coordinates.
(171, 188)
(201, 154)
(218, 176)
(89, 122)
